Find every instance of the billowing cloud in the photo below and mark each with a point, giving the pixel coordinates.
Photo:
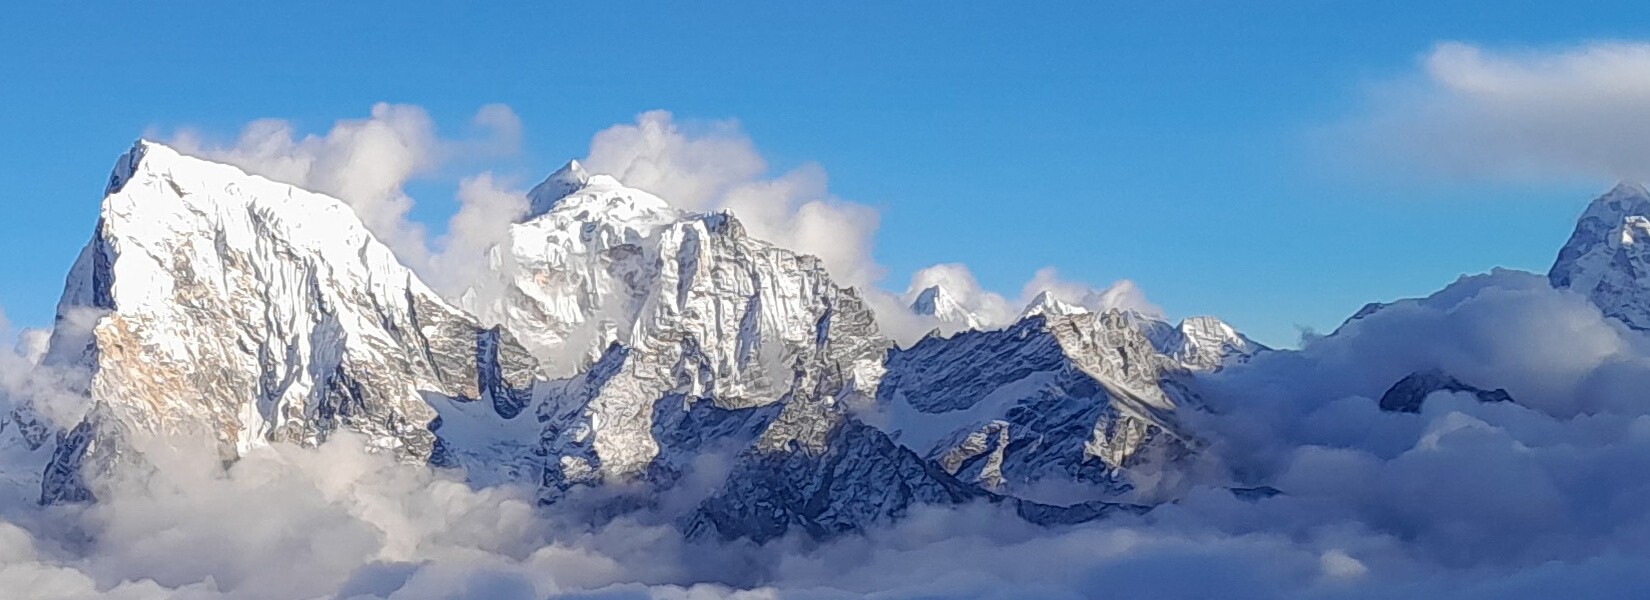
(366, 163)
(486, 210)
(715, 166)
(1122, 295)
(959, 283)
(995, 310)
(1517, 114)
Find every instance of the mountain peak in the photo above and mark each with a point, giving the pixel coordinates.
(1632, 189)
(935, 301)
(143, 153)
(1626, 199)
(570, 178)
(931, 300)
(254, 312)
(1605, 257)
(1046, 304)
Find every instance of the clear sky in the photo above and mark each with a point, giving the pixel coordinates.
(1177, 144)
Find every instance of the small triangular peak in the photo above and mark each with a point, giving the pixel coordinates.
(1632, 189)
(1626, 199)
(1046, 304)
(1209, 343)
(569, 179)
(126, 166)
(151, 155)
(935, 301)
(932, 300)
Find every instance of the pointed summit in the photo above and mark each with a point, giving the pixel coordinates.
(1607, 258)
(566, 180)
(126, 165)
(1046, 304)
(935, 302)
(1631, 189)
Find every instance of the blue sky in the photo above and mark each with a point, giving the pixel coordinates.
(1181, 145)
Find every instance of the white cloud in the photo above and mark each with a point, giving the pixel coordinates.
(1581, 111)
(958, 281)
(994, 310)
(715, 166)
(364, 162)
(696, 166)
(486, 211)
(1122, 295)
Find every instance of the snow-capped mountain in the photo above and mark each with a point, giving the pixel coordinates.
(1607, 258)
(1045, 304)
(216, 304)
(935, 302)
(690, 339)
(616, 347)
(1054, 399)
(674, 309)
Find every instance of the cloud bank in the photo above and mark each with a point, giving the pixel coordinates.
(1461, 500)
(1517, 115)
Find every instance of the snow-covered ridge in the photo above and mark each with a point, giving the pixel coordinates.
(242, 310)
(1607, 258)
(1073, 398)
(656, 315)
(934, 301)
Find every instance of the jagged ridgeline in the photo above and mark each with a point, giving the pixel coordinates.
(615, 346)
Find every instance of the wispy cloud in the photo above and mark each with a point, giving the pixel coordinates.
(1519, 114)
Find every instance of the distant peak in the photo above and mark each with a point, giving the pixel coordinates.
(1626, 198)
(1047, 305)
(935, 301)
(570, 178)
(1607, 254)
(1631, 189)
(930, 299)
(571, 172)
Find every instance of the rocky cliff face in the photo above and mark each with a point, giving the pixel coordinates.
(661, 311)
(213, 304)
(1409, 393)
(1607, 258)
(1055, 399)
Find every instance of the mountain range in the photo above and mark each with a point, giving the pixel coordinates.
(621, 356)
